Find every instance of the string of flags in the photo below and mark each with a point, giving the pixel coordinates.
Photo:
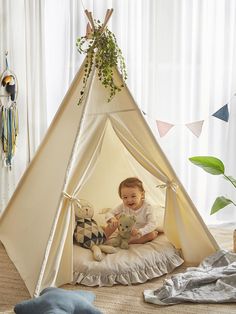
(9, 122)
(196, 126)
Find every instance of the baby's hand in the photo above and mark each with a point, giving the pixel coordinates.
(135, 232)
(113, 222)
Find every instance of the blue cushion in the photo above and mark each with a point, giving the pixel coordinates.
(59, 301)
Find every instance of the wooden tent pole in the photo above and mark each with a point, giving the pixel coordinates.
(90, 18)
(107, 17)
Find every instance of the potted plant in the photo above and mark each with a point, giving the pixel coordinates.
(215, 166)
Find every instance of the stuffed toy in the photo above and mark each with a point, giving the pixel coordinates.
(87, 232)
(57, 300)
(125, 226)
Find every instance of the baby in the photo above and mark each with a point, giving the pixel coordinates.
(132, 193)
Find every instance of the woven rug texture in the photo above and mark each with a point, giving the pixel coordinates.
(116, 299)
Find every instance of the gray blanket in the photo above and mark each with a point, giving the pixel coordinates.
(214, 281)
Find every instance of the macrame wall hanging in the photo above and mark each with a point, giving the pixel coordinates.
(8, 114)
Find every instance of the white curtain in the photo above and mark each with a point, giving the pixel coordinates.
(22, 35)
(181, 60)
(182, 54)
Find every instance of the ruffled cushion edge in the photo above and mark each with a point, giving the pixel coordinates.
(131, 276)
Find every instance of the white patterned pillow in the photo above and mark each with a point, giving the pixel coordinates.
(87, 233)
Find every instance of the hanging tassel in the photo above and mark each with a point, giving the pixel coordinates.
(4, 130)
(9, 138)
(15, 128)
(9, 122)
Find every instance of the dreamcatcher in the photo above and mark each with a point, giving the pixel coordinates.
(8, 114)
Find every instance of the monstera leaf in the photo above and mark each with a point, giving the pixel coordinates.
(210, 164)
(215, 166)
(219, 203)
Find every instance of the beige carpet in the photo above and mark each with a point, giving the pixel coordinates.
(111, 300)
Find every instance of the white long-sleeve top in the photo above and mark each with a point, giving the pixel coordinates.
(145, 218)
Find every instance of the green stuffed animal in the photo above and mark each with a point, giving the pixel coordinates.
(87, 232)
(125, 226)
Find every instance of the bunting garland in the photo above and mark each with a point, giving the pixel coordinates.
(195, 127)
(9, 121)
(163, 127)
(222, 113)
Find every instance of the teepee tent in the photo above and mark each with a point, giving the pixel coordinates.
(86, 152)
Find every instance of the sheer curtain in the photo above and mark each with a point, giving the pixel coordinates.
(22, 35)
(181, 60)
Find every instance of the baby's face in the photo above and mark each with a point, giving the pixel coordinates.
(132, 197)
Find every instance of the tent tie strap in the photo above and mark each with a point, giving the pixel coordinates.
(76, 201)
(66, 195)
(169, 184)
(71, 198)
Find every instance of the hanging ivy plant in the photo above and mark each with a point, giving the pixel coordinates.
(102, 50)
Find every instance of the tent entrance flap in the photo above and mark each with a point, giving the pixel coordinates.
(101, 187)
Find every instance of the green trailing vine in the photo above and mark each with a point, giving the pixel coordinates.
(104, 53)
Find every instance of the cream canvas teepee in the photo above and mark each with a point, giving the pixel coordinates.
(86, 152)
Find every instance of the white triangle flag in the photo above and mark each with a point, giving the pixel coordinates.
(163, 127)
(195, 127)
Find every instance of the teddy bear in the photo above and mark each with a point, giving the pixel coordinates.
(125, 226)
(87, 233)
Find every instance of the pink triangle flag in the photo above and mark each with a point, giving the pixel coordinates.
(195, 127)
(163, 127)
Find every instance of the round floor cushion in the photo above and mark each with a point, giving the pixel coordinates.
(138, 264)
